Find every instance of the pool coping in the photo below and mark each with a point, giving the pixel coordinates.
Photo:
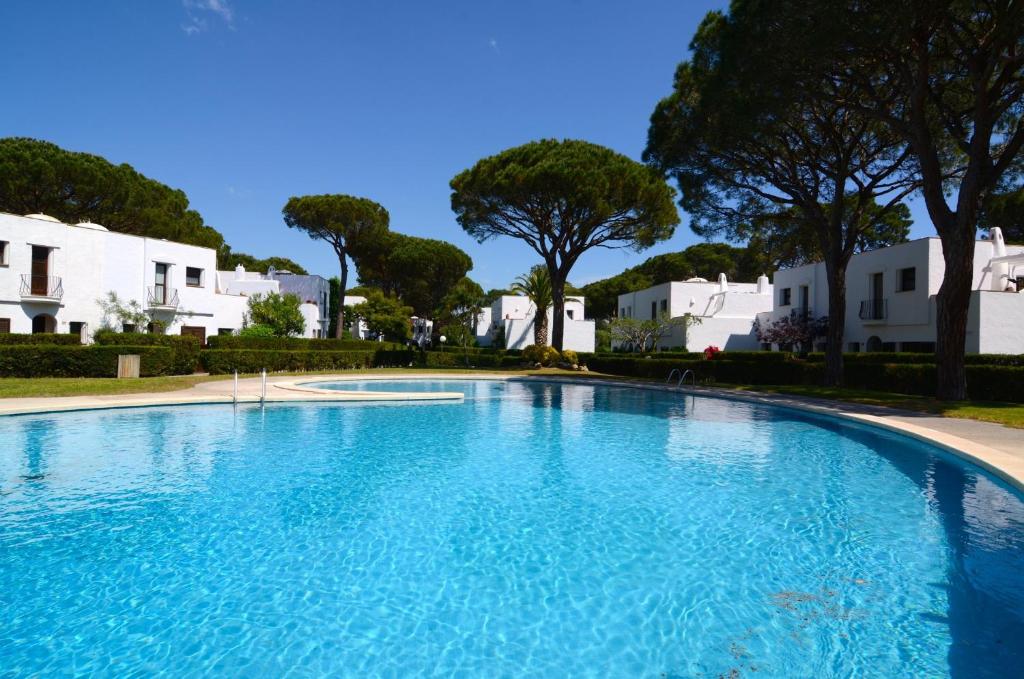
(1007, 465)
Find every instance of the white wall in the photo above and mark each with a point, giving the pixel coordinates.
(726, 318)
(910, 315)
(516, 313)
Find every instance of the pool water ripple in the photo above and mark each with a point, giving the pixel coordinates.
(530, 530)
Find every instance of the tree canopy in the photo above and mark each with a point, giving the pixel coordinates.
(278, 312)
(563, 198)
(421, 271)
(37, 176)
(228, 259)
(1005, 210)
(343, 221)
(385, 315)
(759, 128)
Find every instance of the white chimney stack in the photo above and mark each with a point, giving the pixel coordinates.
(1001, 270)
(763, 285)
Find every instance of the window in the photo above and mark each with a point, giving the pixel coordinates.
(160, 284)
(785, 296)
(622, 312)
(3, 252)
(225, 332)
(664, 306)
(629, 312)
(654, 310)
(853, 347)
(907, 279)
(918, 347)
(77, 328)
(5, 326)
(197, 331)
(128, 327)
(569, 313)
(193, 277)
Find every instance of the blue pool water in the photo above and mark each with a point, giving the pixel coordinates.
(531, 530)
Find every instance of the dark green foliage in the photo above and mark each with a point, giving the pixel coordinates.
(184, 348)
(297, 343)
(904, 357)
(224, 361)
(385, 316)
(228, 260)
(39, 338)
(562, 198)
(459, 359)
(37, 176)
(420, 271)
(346, 222)
(1005, 210)
(40, 360)
(278, 312)
(996, 381)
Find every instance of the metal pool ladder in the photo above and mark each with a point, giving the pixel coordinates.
(682, 377)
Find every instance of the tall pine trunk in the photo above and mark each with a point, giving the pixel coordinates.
(540, 327)
(836, 324)
(558, 310)
(953, 302)
(340, 330)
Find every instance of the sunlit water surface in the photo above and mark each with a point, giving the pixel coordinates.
(531, 530)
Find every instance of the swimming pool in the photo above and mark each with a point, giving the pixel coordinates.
(533, 529)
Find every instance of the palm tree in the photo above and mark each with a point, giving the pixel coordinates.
(536, 286)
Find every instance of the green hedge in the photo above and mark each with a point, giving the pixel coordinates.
(984, 382)
(225, 361)
(437, 359)
(40, 338)
(81, 361)
(297, 343)
(184, 348)
(907, 357)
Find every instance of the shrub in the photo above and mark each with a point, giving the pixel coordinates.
(451, 359)
(184, 348)
(257, 330)
(39, 338)
(544, 355)
(224, 361)
(299, 343)
(41, 360)
(571, 357)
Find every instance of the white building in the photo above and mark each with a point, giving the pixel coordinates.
(53, 274)
(724, 312)
(511, 317)
(891, 297)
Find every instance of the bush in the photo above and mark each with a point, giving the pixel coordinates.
(39, 338)
(298, 343)
(451, 359)
(257, 330)
(225, 361)
(544, 355)
(571, 357)
(909, 357)
(184, 348)
(81, 361)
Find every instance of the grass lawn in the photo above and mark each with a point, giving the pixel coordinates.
(1010, 414)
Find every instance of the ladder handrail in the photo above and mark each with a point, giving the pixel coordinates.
(683, 378)
(674, 371)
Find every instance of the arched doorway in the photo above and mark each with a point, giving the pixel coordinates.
(43, 323)
(874, 343)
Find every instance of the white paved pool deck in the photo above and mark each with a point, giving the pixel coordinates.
(997, 448)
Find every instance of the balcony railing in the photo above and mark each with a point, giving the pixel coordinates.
(41, 288)
(160, 297)
(874, 310)
(801, 313)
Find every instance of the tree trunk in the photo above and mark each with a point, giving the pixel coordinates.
(951, 319)
(540, 328)
(836, 324)
(558, 310)
(340, 330)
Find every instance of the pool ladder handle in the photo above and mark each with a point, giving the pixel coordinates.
(682, 376)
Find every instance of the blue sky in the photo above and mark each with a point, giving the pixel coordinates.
(243, 104)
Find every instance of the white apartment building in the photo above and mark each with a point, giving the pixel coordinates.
(724, 312)
(52, 276)
(891, 297)
(512, 316)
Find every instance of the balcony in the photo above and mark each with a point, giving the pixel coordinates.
(801, 313)
(874, 310)
(36, 288)
(161, 297)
